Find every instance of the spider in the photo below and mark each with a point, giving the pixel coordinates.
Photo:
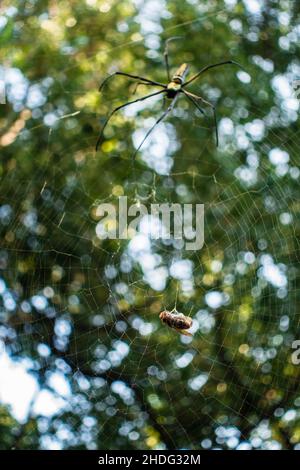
(175, 87)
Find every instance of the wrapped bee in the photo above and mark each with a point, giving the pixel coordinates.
(177, 321)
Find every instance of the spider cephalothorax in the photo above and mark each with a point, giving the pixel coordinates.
(172, 90)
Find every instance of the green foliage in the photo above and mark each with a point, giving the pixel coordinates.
(15, 435)
(52, 182)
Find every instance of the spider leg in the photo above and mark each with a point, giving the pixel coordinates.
(194, 77)
(195, 97)
(165, 113)
(123, 106)
(166, 54)
(135, 77)
(192, 99)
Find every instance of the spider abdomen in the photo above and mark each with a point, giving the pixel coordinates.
(174, 86)
(180, 74)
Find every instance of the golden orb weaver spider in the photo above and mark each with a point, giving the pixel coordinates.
(175, 86)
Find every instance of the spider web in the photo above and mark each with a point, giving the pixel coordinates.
(127, 344)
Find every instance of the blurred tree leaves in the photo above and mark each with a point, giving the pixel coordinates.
(80, 307)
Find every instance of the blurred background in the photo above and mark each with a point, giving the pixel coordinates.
(85, 362)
